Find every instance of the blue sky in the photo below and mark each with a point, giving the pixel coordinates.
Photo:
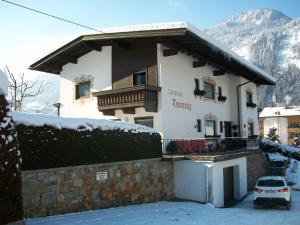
(26, 35)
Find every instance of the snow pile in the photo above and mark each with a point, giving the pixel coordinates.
(277, 157)
(280, 111)
(31, 119)
(3, 84)
(284, 148)
(293, 174)
(272, 147)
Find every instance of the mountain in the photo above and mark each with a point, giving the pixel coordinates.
(270, 40)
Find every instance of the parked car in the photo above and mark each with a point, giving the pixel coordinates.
(272, 189)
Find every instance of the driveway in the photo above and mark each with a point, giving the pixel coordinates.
(184, 213)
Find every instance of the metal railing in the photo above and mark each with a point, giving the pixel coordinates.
(209, 146)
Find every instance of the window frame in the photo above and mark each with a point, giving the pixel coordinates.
(214, 128)
(143, 119)
(249, 97)
(213, 90)
(250, 127)
(138, 73)
(77, 92)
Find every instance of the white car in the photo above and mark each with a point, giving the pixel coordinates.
(272, 189)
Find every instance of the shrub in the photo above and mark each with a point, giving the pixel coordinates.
(10, 168)
(49, 147)
(171, 147)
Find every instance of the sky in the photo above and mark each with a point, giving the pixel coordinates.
(27, 36)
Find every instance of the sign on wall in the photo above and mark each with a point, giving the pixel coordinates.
(101, 176)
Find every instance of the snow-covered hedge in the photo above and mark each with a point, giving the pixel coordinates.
(284, 150)
(49, 141)
(10, 167)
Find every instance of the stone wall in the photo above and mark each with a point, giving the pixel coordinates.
(257, 166)
(72, 189)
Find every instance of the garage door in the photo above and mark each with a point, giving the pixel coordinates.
(228, 184)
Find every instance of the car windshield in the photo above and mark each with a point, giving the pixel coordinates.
(270, 183)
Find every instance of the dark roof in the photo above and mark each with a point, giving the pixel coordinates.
(183, 37)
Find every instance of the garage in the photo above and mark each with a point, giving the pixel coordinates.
(228, 180)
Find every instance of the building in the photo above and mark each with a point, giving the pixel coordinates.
(286, 121)
(174, 78)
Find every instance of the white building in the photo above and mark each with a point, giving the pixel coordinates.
(286, 121)
(170, 76)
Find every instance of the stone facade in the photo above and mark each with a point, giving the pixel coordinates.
(257, 166)
(72, 189)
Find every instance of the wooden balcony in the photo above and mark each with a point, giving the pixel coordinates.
(128, 99)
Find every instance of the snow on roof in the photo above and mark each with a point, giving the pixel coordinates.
(280, 111)
(3, 84)
(75, 123)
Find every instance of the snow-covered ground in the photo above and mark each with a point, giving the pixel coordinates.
(293, 174)
(185, 213)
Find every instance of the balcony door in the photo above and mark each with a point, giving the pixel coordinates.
(228, 129)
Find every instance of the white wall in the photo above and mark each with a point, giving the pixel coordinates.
(190, 180)
(177, 74)
(240, 180)
(192, 183)
(248, 114)
(280, 123)
(95, 64)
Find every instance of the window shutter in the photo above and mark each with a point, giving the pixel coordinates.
(220, 91)
(221, 126)
(152, 76)
(199, 125)
(196, 84)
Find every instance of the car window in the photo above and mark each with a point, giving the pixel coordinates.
(270, 183)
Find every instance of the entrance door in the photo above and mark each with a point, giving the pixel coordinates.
(227, 127)
(228, 184)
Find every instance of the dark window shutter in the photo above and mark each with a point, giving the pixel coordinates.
(199, 125)
(220, 91)
(221, 126)
(196, 84)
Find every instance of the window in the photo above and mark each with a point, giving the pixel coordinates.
(250, 129)
(209, 90)
(221, 126)
(210, 128)
(199, 125)
(249, 97)
(139, 78)
(146, 121)
(83, 90)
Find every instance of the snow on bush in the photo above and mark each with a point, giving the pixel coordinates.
(50, 141)
(3, 84)
(31, 119)
(10, 167)
(274, 147)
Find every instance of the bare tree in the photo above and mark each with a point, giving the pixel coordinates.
(21, 89)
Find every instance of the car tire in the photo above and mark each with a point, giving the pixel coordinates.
(288, 206)
(255, 206)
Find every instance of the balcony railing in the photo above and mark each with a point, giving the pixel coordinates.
(212, 146)
(131, 97)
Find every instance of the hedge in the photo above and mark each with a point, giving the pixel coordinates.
(10, 168)
(49, 147)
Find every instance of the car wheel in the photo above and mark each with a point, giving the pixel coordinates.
(255, 206)
(288, 206)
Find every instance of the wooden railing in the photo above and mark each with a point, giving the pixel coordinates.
(136, 96)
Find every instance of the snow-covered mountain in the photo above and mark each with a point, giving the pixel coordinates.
(270, 40)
